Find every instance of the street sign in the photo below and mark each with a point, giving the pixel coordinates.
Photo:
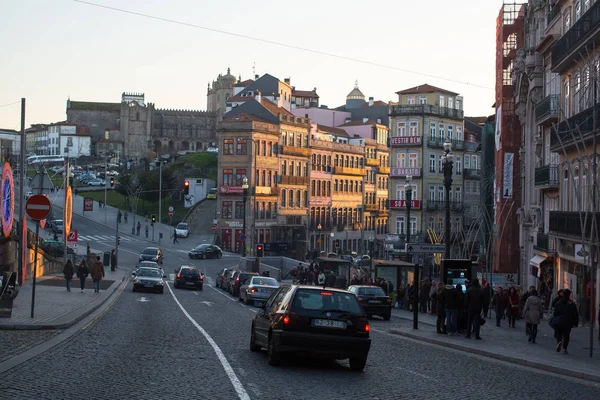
(43, 223)
(171, 209)
(170, 213)
(425, 248)
(72, 239)
(88, 204)
(242, 237)
(38, 207)
(214, 227)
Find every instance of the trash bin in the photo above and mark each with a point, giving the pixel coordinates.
(106, 260)
(160, 236)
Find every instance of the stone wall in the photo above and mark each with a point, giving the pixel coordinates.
(180, 130)
(97, 120)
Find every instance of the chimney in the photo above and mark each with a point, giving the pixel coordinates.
(258, 97)
(255, 77)
(287, 80)
(347, 120)
(365, 120)
(371, 102)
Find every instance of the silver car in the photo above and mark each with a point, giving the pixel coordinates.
(258, 288)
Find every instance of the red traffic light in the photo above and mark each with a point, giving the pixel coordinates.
(186, 183)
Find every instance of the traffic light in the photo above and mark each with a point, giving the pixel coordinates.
(259, 250)
(186, 187)
(337, 243)
(112, 182)
(153, 218)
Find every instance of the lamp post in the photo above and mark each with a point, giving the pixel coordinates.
(331, 235)
(408, 191)
(245, 199)
(319, 227)
(447, 162)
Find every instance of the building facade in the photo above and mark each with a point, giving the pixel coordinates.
(69, 140)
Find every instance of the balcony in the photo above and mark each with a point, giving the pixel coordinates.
(418, 109)
(546, 111)
(295, 151)
(349, 171)
(471, 146)
(440, 205)
(546, 177)
(402, 172)
(266, 191)
(568, 223)
(565, 53)
(469, 173)
(372, 162)
(554, 12)
(383, 170)
(437, 142)
(581, 128)
(294, 180)
(545, 243)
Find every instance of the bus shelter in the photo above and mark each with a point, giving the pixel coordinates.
(338, 266)
(395, 271)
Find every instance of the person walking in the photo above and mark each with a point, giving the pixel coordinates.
(513, 307)
(119, 216)
(113, 260)
(139, 226)
(97, 274)
(175, 236)
(532, 312)
(449, 298)
(565, 318)
(321, 278)
(440, 308)
(146, 231)
(487, 297)
(500, 304)
(433, 290)
(474, 305)
(68, 272)
(82, 273)
(126, 215)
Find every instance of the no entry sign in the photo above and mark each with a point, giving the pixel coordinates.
(38, 207)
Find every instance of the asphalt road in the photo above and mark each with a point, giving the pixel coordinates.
(194, 345)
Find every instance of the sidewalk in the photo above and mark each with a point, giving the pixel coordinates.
(511, 345)
(55, 308)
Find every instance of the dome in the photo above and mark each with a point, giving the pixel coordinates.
(229, 76)
(355, 94)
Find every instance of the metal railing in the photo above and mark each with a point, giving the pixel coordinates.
(568, 223)
(546, 176)
(571, 129)
(415, 109)
(547, 108)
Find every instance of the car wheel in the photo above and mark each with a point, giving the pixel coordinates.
(219, 255)
(248, 301)
(387, 317)
(358, 364)
(272, 354)
(253, 346)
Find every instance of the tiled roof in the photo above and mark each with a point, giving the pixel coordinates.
(245, 117)
(359, 122)
(477, 120)
(376, 103)
(425, 89)
(91, 105)
(274, 109)
(304, 93)
(240, 98)
(331, 129)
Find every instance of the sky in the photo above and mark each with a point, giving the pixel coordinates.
(59, 49)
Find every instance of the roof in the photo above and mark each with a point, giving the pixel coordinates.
(331, 129)
(245, 83)
(274, 108)
(358, 122)
(376, 103)
(240, 98)
(305, 93)
(355, 93)
(477, 120)
(426, 88)
(245, 117)
(265, 111)
(267, 85)
(91, 105)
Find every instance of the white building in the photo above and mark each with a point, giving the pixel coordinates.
(69, 140)
(10, 143)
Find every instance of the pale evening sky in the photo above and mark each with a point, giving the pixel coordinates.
(55, 49)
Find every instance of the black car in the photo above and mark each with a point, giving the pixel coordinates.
(373, 300)
(327, 323)
(152, 254)
(238, 278)
(187, 276)
(206, 251)
(149, 279)
(147, 264)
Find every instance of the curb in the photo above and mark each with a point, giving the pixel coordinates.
(513, 360)
(32, 327)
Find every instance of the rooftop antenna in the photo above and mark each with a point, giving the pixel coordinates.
(254, 69)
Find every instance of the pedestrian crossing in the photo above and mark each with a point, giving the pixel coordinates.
(104, 238)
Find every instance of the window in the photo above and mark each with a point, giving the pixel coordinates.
(577, 10)
(413, 129)
(450, 102)
(584, 188)
(440, 165)
(576, 93)
(441, 193)
(239, 176)
(242, 146)
(565, 189)
(576, 203)
(458, 165)
(566, 97)
(468, 187)
(228, 177)
(467, 161)
(70, 142)
(586, 5)
(413, 225)
(423, 100)
(432, 130)
(441, 135)
(459, 134)
(226, 209)
(432, 162)
(474, 161)
(400, 160)
(442, 101)
(410, 100)
(401, 129)
(431, 193)
(457, 194)
(400, 225)
(413, 160)
(450, 132)
(431, 223)
(239, 209)
(567, 20)
(228, 146)
(458, 104)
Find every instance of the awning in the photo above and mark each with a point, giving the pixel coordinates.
(537, 260)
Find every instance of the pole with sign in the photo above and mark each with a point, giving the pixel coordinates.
(37, 207)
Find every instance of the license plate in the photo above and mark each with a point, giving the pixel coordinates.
(148, 284)
(266, 290)
(190, 283)
(327, 323)
(374, 302)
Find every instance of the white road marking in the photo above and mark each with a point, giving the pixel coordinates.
(208, 303)
(196, 293)
(143, 299)
(237, 384)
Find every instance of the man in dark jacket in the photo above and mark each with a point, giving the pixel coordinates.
(568, 317)
(487, 297)
(474, 304)
(449, 298)
(500, 302)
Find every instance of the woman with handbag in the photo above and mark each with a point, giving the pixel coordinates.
(533, 312)
(565, 318)
(513, 307)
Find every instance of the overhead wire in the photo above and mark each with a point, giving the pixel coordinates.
(272, 42)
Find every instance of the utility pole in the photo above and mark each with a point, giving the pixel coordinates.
(105, 176)
(37, 241)
(160, 190)
(65, 228)
(594, 232)
(22, 217)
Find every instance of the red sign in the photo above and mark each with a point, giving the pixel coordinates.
(73, 236)
(414, 172)
(38, 207)
(214, 227)
(406, 140)
(414, 204)
(88, 204)
(231, 189)
(170, 213)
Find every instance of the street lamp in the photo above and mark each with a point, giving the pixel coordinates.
(408, 190)
(245, 199)
(332, 235)
(319, 227)
(447, 161)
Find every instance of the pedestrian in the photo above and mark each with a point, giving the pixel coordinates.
(513, 307)
(500, 303)
(532, 312)
(126, 215)
(113, 260)
(474, 305)
(146, 231)
(99, 203)
(449, 298)
(175, 236)
(559, 296)
(565, 318)
(294, 273)
(487, 297)
(432, 299)
(330, 279)
(321, 279)
(119, 216)
(438, 300)
(68, 272)
(82, 273)
(97, 274)
(139, 226)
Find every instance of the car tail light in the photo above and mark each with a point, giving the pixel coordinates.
(254, 290)
(389, 300)
(360, 298)
(367, 328)
(178, 276)
(286, 320)
(237, 280)
(201, 278)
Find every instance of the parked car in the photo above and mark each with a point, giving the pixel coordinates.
(58, 226)
(373, 300)
(182, 230)
(149, 279)
(213, 150)
(221, 276)
(212, 194)
(188, 276)
(152, 254)
(206, 251)
(96, 182)
(238, 279)
(327, 323)
(55, 248)
(258, 288)
(362, 261)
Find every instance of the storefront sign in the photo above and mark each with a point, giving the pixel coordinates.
(414, 204)
(233, 224)
(406, 140)
(266, 223)
(414, 172)
(231, 189)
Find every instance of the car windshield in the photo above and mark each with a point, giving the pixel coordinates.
(202, 247)
(371, 291)
(212, 191)
(189, 271)
(154, 273)
(265, 281)
(324, 300)
(148, 265)
(150, 251)
(182, 226)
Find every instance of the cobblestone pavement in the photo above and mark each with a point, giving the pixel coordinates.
(144, 347)
(16, 342)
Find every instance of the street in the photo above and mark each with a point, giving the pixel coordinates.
(194, 344)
